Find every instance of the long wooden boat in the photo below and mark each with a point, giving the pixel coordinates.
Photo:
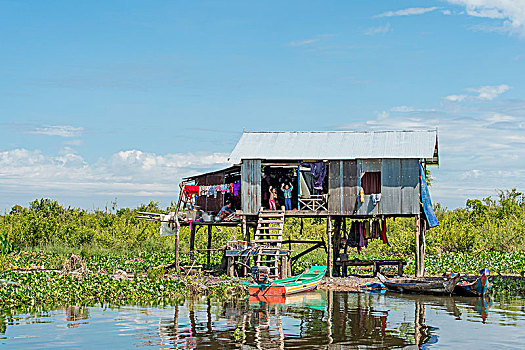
(428, 285)
(478, 288)
(296, 284)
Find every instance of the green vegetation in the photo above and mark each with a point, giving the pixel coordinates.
(485, 233)
(103, 281)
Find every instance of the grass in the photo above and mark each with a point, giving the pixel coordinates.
(150, 285)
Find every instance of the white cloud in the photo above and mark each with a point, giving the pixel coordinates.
(512, 12)
(490, 92)
(303, 42)
(311, 41)
(58, 130)
(402, 109)
(471, 174)
(486, 93)
(383, 115)
(408, 12)
(126, 174)
(476, 144)
(379, 30)
(456, 98)
(499, 118)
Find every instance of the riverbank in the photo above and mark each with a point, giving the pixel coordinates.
(28, 279)
(31, 278)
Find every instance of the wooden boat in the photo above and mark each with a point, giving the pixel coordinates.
(372, 287)
(478, 288)
(306, 281)
(428, 285)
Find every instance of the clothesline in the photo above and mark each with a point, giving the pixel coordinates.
(212, 190)
(362, 231)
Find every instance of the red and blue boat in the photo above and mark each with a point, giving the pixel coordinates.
(478, 288)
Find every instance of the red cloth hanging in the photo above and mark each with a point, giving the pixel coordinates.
(383, 233)
(192, 189)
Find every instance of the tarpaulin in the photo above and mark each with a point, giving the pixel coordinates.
(425, 199)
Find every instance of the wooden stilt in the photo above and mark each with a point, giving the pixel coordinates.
(177, 231)
(329, 248)
(244, 230)
(336, 238)
(230, 267)
(422, 246)
(192, 242)
(177, 267)
(208, 252)
(417, 234)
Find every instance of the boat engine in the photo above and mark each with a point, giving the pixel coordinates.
(261, 274)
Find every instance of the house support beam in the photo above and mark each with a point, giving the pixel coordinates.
(208, 246)
(419, 228)
(329, 248)
(336, 244)
(192, 242)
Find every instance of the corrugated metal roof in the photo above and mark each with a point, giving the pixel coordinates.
(335, 145)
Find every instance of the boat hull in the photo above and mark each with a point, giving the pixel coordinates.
(282, 290)
(421, 286)
(479, 288)
(293, 285)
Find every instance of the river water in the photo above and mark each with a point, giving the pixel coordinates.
(317, 320)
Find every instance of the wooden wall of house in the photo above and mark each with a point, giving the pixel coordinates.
(251, 186)
(210, 204)
(343, 187)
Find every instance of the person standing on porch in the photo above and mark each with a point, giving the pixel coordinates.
(287, 189)
(273, 197)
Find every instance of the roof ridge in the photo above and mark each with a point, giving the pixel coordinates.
(337, 131)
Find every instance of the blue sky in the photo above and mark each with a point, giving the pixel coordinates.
(120, 99)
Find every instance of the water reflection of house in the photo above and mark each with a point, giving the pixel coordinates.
(351, 320)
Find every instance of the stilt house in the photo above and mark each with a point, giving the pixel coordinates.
(332, 174)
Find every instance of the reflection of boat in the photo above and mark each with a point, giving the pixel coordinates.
(428, 285)
(480, 287)
(312, 300)
(306, 281)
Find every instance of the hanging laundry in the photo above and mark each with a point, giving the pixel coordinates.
(204, 190)
(191, 189)
(318, 171)
(383, 233)
(212, 191)
(352, 241)
(376, 198)
(236, 187)
(367, 229)
(361, 235)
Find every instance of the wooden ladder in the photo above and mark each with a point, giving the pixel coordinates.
(269, 235)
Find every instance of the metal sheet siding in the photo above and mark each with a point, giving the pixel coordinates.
(335, 145)
(251, 186)
(335, 197)
(391, 199)
(342, 187)
(400, 186)
(410, 186)
(351, 189)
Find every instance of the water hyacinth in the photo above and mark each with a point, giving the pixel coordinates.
(35, 278)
